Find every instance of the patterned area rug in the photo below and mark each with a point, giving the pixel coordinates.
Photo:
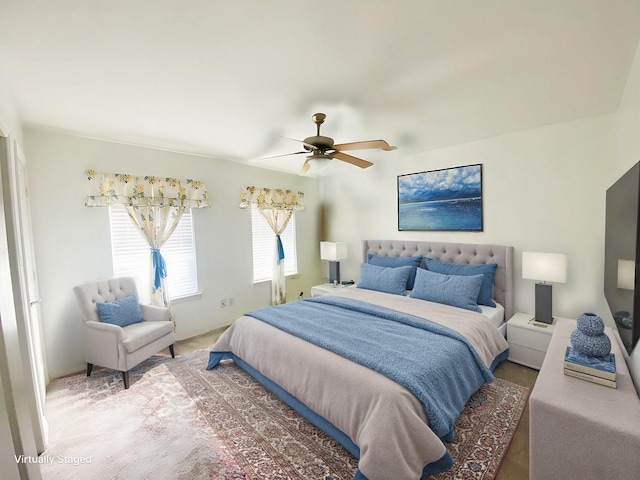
(178, 420)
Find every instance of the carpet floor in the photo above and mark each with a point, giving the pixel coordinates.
(180, 421)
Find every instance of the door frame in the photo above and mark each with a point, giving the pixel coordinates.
(27, 297)
(27, 430)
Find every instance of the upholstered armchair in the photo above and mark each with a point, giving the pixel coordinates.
(129, 332)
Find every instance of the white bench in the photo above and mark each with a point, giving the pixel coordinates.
(578, 429)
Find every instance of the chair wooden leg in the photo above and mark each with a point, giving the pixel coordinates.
(173, 355)
(89, 368)
(125, 378)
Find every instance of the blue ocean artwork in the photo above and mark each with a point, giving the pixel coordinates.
(449, 199)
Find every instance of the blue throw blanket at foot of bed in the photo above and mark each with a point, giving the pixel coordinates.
(436, 364)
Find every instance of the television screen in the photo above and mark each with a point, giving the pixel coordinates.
(621, 253)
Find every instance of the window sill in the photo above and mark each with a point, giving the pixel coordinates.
(186, 298)
(286, 277)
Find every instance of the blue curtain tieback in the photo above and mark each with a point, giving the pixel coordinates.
(280, 249)
(159, 267)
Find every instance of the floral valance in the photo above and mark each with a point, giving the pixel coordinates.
(272, 199)
(118, 188)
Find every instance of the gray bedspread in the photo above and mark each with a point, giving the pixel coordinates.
(384, 419)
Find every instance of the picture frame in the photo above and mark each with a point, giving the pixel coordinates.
(448, 199)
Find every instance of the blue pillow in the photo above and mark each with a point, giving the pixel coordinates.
(121, 312)
(455, 290)
(397, 262)
(384, 279)
(448, 268)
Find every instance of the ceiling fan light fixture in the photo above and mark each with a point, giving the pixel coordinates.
(318, 162)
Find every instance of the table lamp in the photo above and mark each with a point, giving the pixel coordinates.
(545, 267)
(333, 252)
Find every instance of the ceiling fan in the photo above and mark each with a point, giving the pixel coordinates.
(322, 149)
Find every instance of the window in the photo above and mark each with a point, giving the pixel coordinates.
(263, 242)
(130, 254)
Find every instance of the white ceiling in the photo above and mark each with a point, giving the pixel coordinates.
(229, 79)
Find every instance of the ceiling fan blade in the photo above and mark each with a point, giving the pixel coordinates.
(285, 155)
(367, 144)
(308, 145)
(305, 167)
(358, 162)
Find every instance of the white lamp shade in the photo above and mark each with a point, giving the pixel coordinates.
(546, 267)
(626, 274)
(318, 163)
(333, 251)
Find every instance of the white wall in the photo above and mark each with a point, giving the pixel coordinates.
(627, 125)
(72, 242)
(543, 191)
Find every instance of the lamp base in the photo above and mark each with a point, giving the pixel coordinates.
(543, 303)
(334, 272)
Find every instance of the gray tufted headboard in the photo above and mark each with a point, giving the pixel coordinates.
(457, 253)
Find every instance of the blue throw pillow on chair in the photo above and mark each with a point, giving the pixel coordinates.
(122, 312)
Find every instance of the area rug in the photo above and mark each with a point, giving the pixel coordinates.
(178, 420)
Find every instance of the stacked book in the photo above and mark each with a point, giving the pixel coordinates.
(600, 370)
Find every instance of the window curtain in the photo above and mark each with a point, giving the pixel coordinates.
(276, 206)
(155, 205)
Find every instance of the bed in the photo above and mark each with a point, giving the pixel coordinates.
(335, 359)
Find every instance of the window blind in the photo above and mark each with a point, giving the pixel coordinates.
(131, 257)
(263, 244)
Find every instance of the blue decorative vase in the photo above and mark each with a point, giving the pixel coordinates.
(590, 324)
(589, 337)
(594, 346)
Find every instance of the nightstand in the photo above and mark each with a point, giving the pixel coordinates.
(326, 289)
(528, 340)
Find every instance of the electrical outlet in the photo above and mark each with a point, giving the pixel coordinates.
(223, 303)
(232, 301)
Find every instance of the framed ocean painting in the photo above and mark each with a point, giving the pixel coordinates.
(448, 199)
